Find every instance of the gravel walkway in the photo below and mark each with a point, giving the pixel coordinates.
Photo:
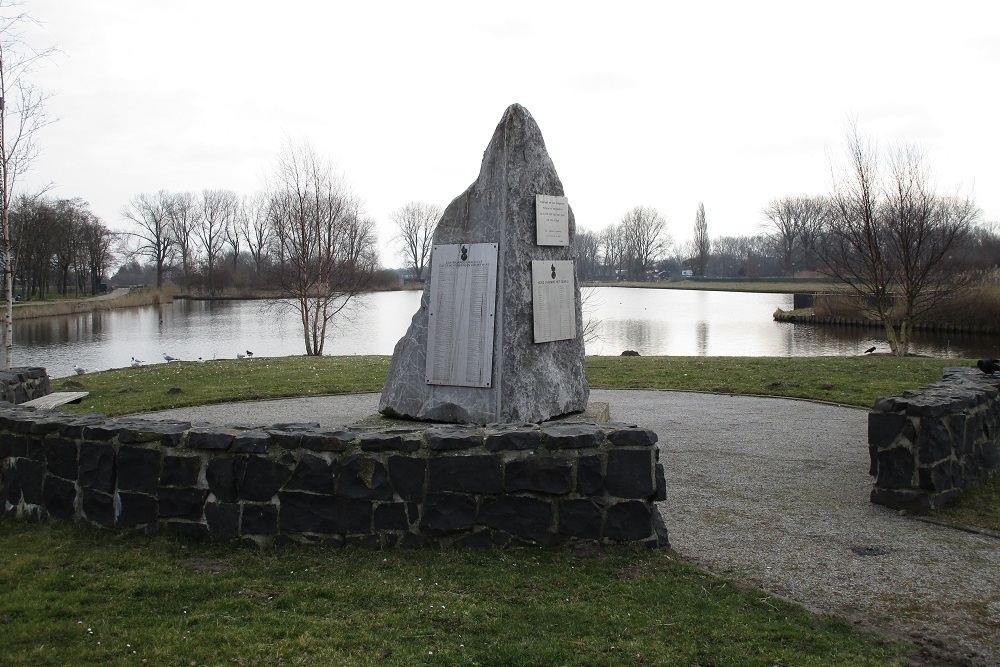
(774, 492)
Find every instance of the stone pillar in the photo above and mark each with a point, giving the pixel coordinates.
(530, 382)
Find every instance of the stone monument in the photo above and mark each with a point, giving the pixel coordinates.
(498, 336)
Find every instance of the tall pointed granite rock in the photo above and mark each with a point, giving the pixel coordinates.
(525, 381)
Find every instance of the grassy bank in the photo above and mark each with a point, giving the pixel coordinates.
(138, 296)
(82, 597)
(761, 286)
(848, 380)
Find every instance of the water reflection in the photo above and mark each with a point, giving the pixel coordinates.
(650, 321)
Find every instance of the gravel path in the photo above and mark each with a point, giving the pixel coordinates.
(774, 492)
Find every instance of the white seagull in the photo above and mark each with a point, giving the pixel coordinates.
(167, 358)
(79, 369)
(240, 355)
(137, 363)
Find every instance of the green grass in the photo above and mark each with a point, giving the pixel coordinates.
(848, 380)
(74, 596)
(979, 507)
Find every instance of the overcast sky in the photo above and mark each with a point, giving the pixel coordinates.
(663, 104)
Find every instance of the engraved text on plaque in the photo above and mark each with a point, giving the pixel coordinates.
(462, 311)
(553, 302)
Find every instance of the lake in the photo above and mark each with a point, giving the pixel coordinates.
(649, 321)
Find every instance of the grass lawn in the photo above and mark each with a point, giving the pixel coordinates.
(848, 380)
(74, 596)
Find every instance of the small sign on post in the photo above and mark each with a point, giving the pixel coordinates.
(553, 302)
(551, 220)
(462, 314)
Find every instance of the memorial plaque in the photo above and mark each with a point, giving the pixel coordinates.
(551, 220)
(462, 311)
(553, 302)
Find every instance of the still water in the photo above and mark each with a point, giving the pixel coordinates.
(649, 321)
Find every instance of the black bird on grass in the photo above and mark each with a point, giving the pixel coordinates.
(870, 350)
(988, 366)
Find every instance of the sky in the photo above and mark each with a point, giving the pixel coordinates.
(662, 104)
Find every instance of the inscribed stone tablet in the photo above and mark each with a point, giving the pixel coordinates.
(462, 310)
(551, 220)
(553, 300)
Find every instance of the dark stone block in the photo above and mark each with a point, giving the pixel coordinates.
(448, 513)
(632, 437)
(74, 426)
(11, 486)
(138, 469)
(363, 478)
(312, 474)
(884, 427)
(182, 503)
(31, 474)
(61, 458)
(209, 439)
(395, 516)
(580, 518)
(101, 432)
(589, 476)
(935, 440)
(914, 502)
(97, 466)
(223, 520)
(262, 478)
(896, 468)
(287, 439)
(522, 516)
(661, 484)
(221, 474)
(328, 441)
(13, 446)
(572, 436)
(60, 497)
(259, 519)
(407, 476)
(381, 442)
(518, 440)
(630, 474)
(98, 507)
(36, 449)
(989, 454)
(472, 474)
(136, 509)
(540, 474)
(46, 425)
(251, 442)
(180, 470)
(628, 521)
(448, 439)
(307, 513)
(167, 434)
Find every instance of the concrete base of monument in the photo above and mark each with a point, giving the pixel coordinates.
(597, 411)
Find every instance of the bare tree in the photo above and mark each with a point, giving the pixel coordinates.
(152, 237)
(415, 223)
(329, 249)
(646, 240)
(891, 238)
(22, 115)
(216, 210)
(97, 242)
(182, 218)
(253, 226)
(613, 246)
(793, 225)
(587, 248)
(702, 244)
